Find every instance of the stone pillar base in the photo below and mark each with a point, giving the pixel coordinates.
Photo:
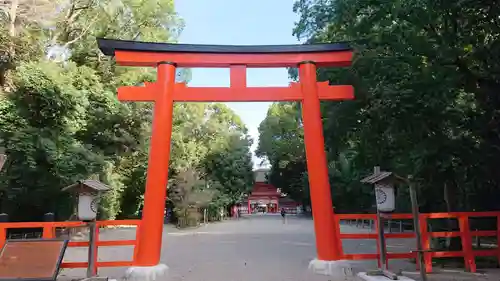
(339, 270)
(147, 273)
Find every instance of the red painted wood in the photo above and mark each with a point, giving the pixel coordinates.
(498, 239)
(164, 92)
(466, 238)
(468, 253)
(235, 93)
(150, 236)
(151, 59)
(327, 240)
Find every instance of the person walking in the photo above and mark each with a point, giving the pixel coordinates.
(283, 215)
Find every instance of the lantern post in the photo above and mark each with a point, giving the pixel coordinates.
(89, 194)
(383, 182)
(385, 194)
(416, 225)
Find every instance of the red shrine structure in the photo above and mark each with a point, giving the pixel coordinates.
(267, 198)
(165, 91)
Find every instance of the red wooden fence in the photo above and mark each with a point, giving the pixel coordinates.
(465, 233)
(49, 231)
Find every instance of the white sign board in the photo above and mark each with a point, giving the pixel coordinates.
(87, 206)
(384, 194)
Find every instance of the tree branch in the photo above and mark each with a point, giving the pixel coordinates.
(94, 20)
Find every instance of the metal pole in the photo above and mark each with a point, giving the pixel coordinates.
(92, 249)
(416, 223)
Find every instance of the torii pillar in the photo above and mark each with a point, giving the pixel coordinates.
(164, 92)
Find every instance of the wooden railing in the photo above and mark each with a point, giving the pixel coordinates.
(49, 231)
(465, 233)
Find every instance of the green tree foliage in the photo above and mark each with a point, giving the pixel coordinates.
(213, 140)
(281, 141)
(60, 120)
(39, 122)
(188, 192)
(426, 100)
(231, 168)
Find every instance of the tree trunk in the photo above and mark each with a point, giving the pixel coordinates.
(12, 17)
(3, 73)
(5, 66)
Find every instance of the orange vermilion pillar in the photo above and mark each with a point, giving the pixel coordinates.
(150, 231)
(327, 242)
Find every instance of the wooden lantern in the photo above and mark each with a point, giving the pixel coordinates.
(385, 194)
(89, 193)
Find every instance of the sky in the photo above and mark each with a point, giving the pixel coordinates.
(238, 22)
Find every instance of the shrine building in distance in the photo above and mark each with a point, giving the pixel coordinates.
(266, 198)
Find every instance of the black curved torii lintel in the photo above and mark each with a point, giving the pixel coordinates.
(109, 46)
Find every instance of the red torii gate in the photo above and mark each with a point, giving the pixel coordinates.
(165, 91)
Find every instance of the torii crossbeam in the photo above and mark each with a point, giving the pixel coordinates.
(234, 93)
(165, 91)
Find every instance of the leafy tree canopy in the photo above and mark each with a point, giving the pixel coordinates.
(60, 120)
(426, 101)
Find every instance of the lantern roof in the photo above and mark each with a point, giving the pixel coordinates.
(109, 46)
(94, 185)
(379, 176)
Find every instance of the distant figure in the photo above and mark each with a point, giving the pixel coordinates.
(283, 214)
(168, 215)
(236, 212)
(140, 211)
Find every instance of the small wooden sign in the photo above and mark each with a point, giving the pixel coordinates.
(36, 259)
(3, 158)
